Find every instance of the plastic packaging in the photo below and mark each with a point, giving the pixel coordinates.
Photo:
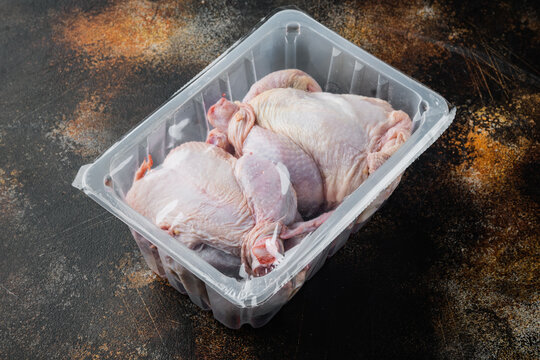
(288, 39)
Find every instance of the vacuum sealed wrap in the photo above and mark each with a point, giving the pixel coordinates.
(240, 186)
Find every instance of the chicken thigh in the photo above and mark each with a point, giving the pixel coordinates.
(175, 197)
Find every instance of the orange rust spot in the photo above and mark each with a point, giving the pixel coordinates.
(491, 169)
(88, 129)
(139, 279)
(162, 33)
(491, 161)
(136, 274)
(491, 165)
(125, 30)
(499, 270)
(403, 34)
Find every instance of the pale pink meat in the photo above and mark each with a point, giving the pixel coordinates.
(346, 136)
(289, 150)
(250, 139)
(219, 138)
(203, 195)
(176, 199)
(304, 174)
(290, 78)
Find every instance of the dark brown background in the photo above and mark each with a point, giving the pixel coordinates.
(448, 269)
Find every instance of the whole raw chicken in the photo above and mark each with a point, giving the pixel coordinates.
(252, 139)
(344, 137)
(303, 171)
(203, 195)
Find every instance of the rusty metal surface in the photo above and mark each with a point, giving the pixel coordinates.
(449, 268)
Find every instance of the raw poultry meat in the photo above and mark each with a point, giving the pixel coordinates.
(290, 152)
(347, 136)
(253, 139)
(303, 172)
(203, 195)
(290, 78)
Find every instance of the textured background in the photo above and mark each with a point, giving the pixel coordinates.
(448, 269)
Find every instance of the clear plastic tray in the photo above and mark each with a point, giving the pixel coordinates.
(287, 39)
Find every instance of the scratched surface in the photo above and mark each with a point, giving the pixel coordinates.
(448, 269)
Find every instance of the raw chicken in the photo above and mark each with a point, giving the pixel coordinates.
(203, 195)
(219, 138)
(290, 78)
(299, 152)
(304, 174)
(253, 139)
(347, 136)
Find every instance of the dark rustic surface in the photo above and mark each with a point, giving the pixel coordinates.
(448, 269)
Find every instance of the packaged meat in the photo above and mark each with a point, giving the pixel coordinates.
(323, 171)
(346, 136)
(208, 199)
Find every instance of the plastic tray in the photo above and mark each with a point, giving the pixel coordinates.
(287, 39)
